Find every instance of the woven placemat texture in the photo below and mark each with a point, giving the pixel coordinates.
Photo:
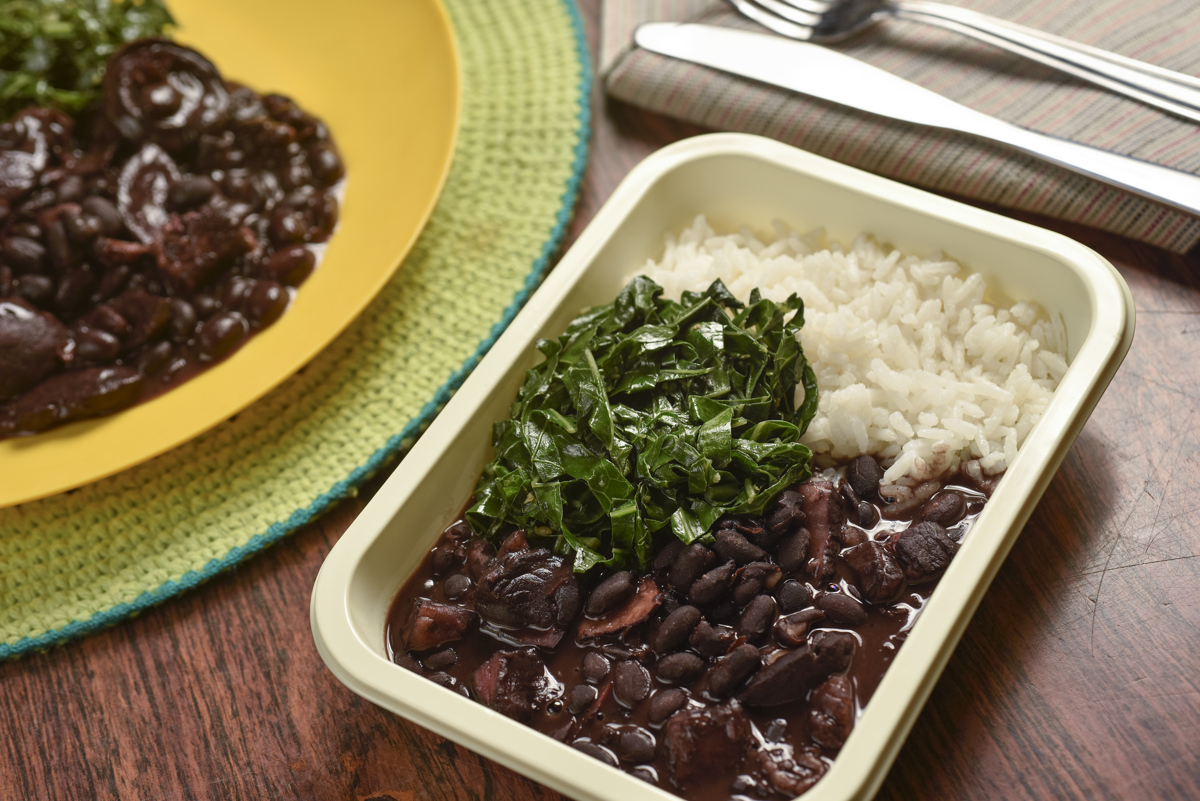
(1161, 32)
(77, 562)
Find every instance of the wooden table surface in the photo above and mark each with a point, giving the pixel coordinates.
(1079, 677)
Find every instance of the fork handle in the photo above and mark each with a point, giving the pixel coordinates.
(1155, 86)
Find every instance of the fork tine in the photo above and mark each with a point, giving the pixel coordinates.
(813, 6)
(781, 25)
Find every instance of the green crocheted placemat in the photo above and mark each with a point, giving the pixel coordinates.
(77, 562)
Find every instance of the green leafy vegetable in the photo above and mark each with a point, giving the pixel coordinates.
(650, 415)
(53, 52)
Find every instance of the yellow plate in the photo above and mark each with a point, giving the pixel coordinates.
(384, 75)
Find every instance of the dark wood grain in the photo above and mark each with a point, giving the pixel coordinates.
(1079, 677)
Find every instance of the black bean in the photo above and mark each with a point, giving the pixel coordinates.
(733, 546)
(37, 289)
(842, 609)
(723, 612)
(665, 703)
(791, 630)
(154, 358)
(691, 564)
(709, 588)
(611, 593)
(631, 683)
(96, 345)
(580, 698)
(205, 305)
(288, 226)
(793, 552)
(74, 288)
(444, 679)
(441, 660)
(945, 509)
(732, 669)
(291, 265)
(221, 334)
(868, 515)
(595, 668)
(266, 303)
(457, 586)
(447, 555)
(80, 227)
(57, 245)
(635, 745)
(675, 629)
(105, 212)
(25, 228)
(757, 617)
(596, 752)
(784, 516)
(183, 320)
(793, 596)
(191, 190)
(753, 579)
(23, 254)
(864, 475)
(680, 668)
(667, 555)
(112, 281)
(710, 640)
(327, 168)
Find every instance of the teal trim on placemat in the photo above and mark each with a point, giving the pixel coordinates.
(396, 444)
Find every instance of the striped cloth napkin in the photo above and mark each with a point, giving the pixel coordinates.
(1162, 32)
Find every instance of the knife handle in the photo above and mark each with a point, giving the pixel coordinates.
(1170, 187)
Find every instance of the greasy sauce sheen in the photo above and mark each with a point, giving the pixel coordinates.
(150, 237)
(632, 679)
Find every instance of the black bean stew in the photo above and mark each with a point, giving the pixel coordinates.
(150, 237)
(732, 668)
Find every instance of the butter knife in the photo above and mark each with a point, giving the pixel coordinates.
(826, 74)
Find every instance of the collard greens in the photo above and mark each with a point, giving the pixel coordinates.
(649, 415)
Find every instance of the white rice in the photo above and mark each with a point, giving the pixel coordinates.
(912, 364)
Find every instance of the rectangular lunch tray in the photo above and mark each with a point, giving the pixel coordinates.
(736, 180)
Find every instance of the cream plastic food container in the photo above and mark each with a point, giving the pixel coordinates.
(736, 180)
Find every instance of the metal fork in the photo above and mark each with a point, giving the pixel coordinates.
(833, 20)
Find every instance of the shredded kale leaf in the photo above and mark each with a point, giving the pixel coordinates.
(53, 52)
(649, 415)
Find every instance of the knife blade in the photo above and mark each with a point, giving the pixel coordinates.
(819, 72)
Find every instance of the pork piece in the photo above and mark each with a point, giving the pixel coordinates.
(880, 577)
(632, 612)
(73, 395)
(823, 516)
(196, 246)
(791, 676)
(924, 550)
(831, 716)
(514, 683)
(529, 587)
(431, 625)
(701, 744)
(30, 344)
(791, 771)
